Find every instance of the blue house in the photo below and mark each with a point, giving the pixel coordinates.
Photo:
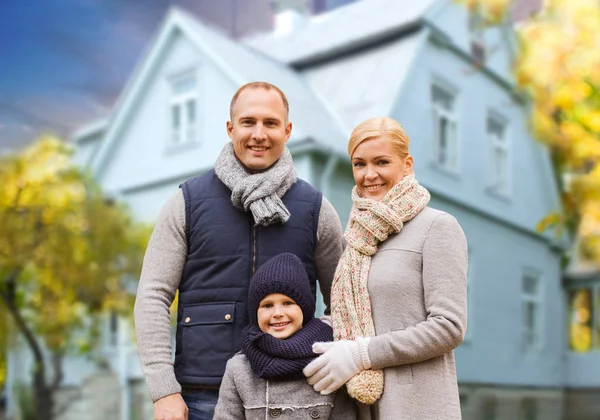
(450, 84)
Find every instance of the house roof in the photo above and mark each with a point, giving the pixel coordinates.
(329, 34)
(315, 123)
(89, 130)
(309, 114)
(372, 80)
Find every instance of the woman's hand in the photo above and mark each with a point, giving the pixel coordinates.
(340, 361)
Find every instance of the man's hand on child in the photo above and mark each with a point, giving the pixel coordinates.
(339, 361)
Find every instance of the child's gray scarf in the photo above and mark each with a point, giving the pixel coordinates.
(261, 192)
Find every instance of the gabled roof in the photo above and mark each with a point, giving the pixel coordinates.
(366, 85)
(89, 130)
(313, 124)
(348, 27)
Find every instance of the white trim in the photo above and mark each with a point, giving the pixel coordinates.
(186, 133)
(500, 144)
(176, 21)
(537, 299)
(439, 111)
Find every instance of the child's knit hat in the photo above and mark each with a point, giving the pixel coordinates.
(283, 274)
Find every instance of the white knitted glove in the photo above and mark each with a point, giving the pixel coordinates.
(340, 361)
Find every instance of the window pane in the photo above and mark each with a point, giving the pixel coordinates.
(529, 409)
(191, 111)
(443, 141)
(175, 123)
(500, 177)
(530, 315)
(175, 117)
(495, 130)
(452, 145)
(442, 98)
(184, 85)
(489, 406)
(530, 285)
(530, 324)
(580, 320)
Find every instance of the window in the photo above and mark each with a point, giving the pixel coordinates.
(444, 125)
(183, 109)
(529, 409)
(532, 311)
(580, 320)
(477, 40)
(489, 407)
(496, 133)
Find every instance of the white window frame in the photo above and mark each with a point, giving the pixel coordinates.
(450, 162)
(537, 299)
(595, 324)
(498, 145)
(187, 131)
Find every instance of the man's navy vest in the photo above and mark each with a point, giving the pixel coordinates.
(224, 250)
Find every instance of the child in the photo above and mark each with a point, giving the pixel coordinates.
(265, 379)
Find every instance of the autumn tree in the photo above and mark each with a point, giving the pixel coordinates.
(556, 65)
(65, 255)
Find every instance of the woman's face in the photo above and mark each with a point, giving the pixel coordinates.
(377, 167)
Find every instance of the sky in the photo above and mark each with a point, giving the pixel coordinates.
(63, 63)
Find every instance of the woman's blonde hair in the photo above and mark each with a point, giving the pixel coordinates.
(387, 128)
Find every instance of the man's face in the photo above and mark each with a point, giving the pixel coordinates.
(259, 129)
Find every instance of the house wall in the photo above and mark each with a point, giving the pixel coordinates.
(144, 170)
(500, 229)
(532, 192)
(453, 20)
(143, 153)
(494, 353)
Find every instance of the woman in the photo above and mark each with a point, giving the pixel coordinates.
(399, 292)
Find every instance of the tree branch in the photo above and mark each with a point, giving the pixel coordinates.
(9, 298)
(57, 359)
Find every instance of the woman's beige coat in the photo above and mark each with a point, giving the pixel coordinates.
(417, 286)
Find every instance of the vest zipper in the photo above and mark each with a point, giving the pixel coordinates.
(254, 246)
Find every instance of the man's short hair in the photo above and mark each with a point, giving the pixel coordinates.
(259, 85)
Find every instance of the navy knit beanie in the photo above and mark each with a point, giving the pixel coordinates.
(283, 274)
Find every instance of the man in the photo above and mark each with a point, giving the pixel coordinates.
(209, 239)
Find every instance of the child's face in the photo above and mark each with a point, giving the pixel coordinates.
(279, 315)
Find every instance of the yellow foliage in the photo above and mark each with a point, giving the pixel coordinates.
(557, 66)
(72, 248)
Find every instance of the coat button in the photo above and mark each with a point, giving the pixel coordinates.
(187, 319)
(227, 317)
(275, 412)
(314, 414)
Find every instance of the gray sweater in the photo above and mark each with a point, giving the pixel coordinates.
(161, 274)
(243, 395)
(418, 289)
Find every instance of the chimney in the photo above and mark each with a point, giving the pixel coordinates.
(524, 9)
(289, 15)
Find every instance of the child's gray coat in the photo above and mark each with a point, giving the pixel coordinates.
(243, 395)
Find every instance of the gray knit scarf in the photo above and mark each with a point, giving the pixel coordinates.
(261, 192)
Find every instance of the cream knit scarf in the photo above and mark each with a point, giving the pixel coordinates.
(371, 222)
(259, 193)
